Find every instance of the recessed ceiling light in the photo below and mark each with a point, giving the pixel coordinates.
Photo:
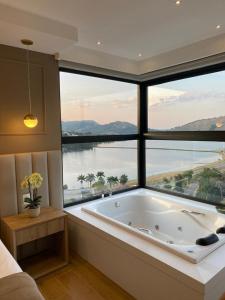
(178, 3)
(218, 26)
(139, 54)
(99, 43)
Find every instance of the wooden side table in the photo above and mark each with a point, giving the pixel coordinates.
(21, 229)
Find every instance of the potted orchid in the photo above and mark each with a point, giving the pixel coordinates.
(32, 183)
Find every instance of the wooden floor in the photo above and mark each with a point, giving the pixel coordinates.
(80, 281)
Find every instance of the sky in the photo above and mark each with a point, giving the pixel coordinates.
(102, 100)
(182, 101)
(170, 104)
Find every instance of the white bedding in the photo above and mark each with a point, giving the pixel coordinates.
(8, 265)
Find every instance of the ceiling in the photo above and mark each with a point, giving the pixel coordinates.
(125, 28)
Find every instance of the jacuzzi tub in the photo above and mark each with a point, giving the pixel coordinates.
(165, 220)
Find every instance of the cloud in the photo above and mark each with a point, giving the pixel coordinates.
(159, 96)
(124, 99)
(162, 97)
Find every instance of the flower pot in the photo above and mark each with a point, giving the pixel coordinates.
(34, 212)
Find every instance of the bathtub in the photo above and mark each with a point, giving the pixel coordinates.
(167, 221)
(128, 238)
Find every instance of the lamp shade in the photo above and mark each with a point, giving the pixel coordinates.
(30, 121)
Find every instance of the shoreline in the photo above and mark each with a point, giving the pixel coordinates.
(219, 164)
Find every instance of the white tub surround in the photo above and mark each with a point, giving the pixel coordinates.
(144, 268)
(172, 225)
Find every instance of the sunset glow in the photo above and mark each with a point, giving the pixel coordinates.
(171, 104)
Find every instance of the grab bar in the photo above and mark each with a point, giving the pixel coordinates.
(192, 215)
(192, 212)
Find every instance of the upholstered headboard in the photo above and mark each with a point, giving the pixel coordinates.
(14, 167)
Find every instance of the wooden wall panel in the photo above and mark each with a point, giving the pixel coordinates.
(8, 199)
(40, 165)
(14, 136)
(14, 97)
(23, 168)
(14, 167)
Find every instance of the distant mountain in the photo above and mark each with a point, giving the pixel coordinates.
(93, 128)
(90, 127)
(211, 124)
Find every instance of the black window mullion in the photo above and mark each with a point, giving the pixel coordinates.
(215, 136)
(143, 127)
(98, 138)
(98, 75)
(186, 74)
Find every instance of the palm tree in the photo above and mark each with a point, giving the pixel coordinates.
(123, 179)
(81, 179)
(112, 181)
(90, 178)
(100, 175)
(115, 180)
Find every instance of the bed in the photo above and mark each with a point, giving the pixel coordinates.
(14, 283)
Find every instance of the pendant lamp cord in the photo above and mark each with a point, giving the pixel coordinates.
(28, 77)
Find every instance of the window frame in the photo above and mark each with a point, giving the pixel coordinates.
(214, 136)
(107, 138)
(142, 124)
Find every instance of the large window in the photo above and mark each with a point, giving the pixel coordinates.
(97, 106)
(97, 168)
(99, 136)
(185, 146)
(194, 169)
(191, 104)
(171, 139)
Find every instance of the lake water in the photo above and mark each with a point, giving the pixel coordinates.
(118, 158)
